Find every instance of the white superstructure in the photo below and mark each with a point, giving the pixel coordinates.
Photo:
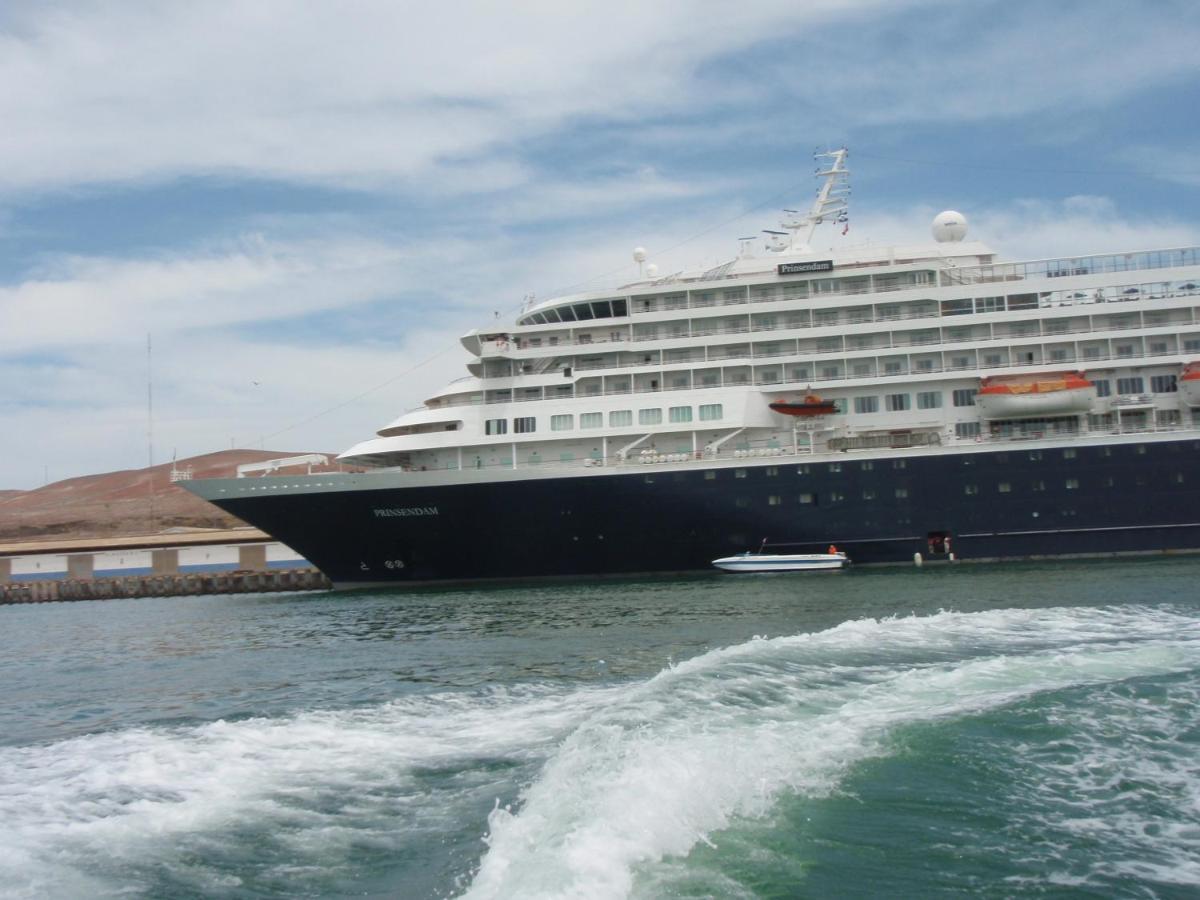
(683, 367)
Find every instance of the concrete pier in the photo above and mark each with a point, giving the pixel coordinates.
(163, 585)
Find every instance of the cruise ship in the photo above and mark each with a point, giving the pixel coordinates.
(925, 399)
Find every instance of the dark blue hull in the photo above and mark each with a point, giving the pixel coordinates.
(1002, 503)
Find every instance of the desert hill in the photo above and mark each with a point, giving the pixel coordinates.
(134, 501)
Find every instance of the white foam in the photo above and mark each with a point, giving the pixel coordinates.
(131, 799)
(721, 736)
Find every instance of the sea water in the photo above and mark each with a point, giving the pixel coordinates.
(1007, 730)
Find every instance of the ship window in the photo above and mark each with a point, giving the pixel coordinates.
(1135, 385)
(1140, 450)
(802, 470)
(620, 418)
(866, 465)
(1178, 479)
(866, 404)
(601, 309)
(1103, 387)
(929, 400)
(774, 500)
(742, 502)
(772, 471)
(1004, 487)
(971, 489)
(562, 423)
(710, 412)
(835, 467)
(1022, 301)
(966, 430)
(965, 396)
(989, 304)
(901, 493)
(1164, 384)
(1072, 484)
(897, 402)
(956, 307)
(591, 420)
(899, 463)
(568, 314)
(582, 311)
(681, 414)
(807, 499)
(868, 494)
(1038, 486)
(836, 497)
(710, 475)
(739, 473)
(1035, 454)
(649, 416)
(495, 426)
(1069, 453)
(619, 307)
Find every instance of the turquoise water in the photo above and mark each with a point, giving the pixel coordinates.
(1012, 730)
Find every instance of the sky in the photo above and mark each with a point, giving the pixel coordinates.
(300, 207)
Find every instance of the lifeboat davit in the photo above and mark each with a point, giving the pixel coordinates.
(811, 405)
(1189, 384)
(1030, 396)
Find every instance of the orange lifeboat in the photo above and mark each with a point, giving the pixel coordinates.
(811, 405)
(1028, 396)
(1189, 384)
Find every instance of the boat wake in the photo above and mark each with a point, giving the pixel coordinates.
(721, 737)
(593, 792)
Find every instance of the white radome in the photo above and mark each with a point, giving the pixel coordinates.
(639, 254)
(949, 226)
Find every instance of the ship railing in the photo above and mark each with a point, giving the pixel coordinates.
(823, 445)
(1100, 264)
(949, 342)
(1107, 294)
(818, 379)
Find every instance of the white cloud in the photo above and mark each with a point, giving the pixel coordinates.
(359, 94)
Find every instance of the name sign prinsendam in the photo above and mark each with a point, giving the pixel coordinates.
(820, 265)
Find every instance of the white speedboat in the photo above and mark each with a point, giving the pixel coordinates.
(781, 562)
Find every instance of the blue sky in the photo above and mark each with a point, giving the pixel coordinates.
(304, 204)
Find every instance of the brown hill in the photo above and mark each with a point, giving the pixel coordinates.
(136, 501)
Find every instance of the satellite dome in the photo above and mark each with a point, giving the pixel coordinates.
(639, 254)
(949, 226)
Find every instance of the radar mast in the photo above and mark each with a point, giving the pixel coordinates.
(832, 204)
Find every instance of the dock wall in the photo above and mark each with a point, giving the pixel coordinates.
(163, 585)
